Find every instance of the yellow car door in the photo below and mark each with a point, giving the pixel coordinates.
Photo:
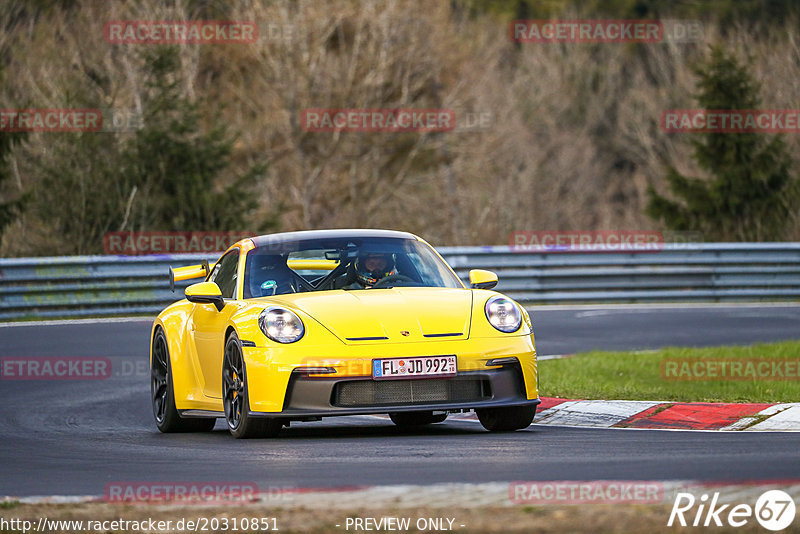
(207, 325)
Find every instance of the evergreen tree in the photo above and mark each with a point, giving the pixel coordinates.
(751, 194)
(165, 176)
(10, 209)
(176, 164)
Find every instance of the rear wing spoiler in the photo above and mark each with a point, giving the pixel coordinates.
(201, 271)
(187, 273)
(312, 264)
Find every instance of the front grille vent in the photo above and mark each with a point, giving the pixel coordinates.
(409, 392)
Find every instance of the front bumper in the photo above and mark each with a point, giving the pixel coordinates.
(276, 383)
(319, 397)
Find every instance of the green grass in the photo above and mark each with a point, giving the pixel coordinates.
(8, 505)
(638, 376)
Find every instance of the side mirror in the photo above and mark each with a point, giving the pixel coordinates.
(480, 279)
(205, 293)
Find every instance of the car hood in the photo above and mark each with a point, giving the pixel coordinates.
(409, 314)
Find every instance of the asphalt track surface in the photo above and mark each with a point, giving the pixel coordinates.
(74, 437)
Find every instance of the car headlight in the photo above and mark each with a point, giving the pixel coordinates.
(503, 314)
(281, 325)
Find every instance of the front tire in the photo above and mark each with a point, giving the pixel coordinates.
(235, 397)
(412, 419)
(506, 419)
(162, 393)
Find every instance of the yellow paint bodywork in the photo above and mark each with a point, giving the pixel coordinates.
(312, 265)
(191, 271)
(403, 315)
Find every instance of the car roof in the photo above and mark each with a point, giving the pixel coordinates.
(286, 237)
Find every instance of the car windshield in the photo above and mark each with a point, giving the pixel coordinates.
(363, 263)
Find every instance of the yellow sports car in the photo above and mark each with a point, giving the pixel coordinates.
(303, 325)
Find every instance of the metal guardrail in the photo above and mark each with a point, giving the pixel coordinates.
(77, 286)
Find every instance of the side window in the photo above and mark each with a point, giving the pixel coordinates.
(225, 273)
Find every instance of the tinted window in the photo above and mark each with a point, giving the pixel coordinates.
(225, 272)
(333, 263)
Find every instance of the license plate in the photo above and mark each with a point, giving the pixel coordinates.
(420, 367)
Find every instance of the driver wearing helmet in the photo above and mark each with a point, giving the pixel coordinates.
(371, 267)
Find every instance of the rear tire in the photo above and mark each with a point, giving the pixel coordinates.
(506, 419)
(235, 397)
(411, 419)
(162, 393)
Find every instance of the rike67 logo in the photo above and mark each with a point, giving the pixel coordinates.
(774, 510)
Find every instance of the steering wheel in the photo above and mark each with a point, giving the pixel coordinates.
(387, 280)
